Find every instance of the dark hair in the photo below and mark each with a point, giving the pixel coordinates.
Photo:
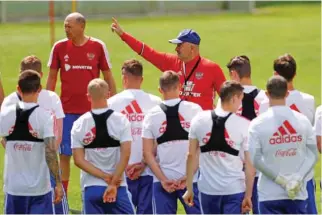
(241, 65)
(285, 66)
(229, 89)
(169, 80)
(29, 81)
(277, 87)
(31, 62)
(133, 67)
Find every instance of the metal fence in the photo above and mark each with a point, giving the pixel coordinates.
(24, 11)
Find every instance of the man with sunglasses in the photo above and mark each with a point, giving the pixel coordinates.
(199, 77)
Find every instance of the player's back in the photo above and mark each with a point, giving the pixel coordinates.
(134, 104)
(26, 171)
(105, 157)
(221, 173)
(48, 100)
(171, 153)
(282, 134)
(298, 101)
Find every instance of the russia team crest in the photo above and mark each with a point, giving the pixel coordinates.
(90, 56)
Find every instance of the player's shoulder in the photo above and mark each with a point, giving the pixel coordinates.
(296, 94)
(97, 42)
(11, 99)
(209, 63)
(48, 93)
(240, 119)
(319, 110)
(154, 98)
(261, 95)
(118, 118)
(202, 116)
(8, 110)
(191, 106)
(60, 43)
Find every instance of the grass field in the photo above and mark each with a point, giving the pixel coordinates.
(263, 36)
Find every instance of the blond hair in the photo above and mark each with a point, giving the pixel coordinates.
(98, 89)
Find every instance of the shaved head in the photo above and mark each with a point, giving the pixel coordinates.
(75, 26)
(98, 89)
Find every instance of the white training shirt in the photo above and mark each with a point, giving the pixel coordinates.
(282, 135)
(26, 172)
(134, 104)
(172, 155)
(298, 101)
(318, 121)
(257, 101)
(106, 159)
(220, 172)
(47, 99)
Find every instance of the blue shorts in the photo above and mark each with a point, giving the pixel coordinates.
(286, 206)
(221, 204)
(93, 201)
(62, 207)
(255, 197)
(141, 191)
(29, 204)
(311, 206)
(65, 146)
(167, 203)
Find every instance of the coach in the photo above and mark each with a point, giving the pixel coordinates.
(80, 59)
(199, 77)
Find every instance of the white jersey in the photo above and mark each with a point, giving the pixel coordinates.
(220, 172)
(106, 159)
(134, 104)
(318, 121)
(282, 135)
(172, 155)
(48, 100)
(257, 101)
(26, 172)
(298, 101)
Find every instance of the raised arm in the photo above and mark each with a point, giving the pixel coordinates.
(163, 61)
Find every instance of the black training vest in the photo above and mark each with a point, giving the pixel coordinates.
(174, 130)
(102, 138)
(217, 141)
(21, 130)
(248, 104)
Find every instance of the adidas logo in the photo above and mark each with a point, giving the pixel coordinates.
(227, 138)
(285, 134)
(184, 124)
(90, 136)
(133, 112)
(294, 107)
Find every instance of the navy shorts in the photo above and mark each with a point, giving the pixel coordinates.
(65, 146)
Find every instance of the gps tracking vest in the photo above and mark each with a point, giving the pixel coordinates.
(174, 130)
(102, 138)
(21, 130)
(217, 141)
(248, 104)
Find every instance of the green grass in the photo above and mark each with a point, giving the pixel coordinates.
(270, 32)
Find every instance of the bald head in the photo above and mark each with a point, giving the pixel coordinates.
(77, 17)
(98, 89)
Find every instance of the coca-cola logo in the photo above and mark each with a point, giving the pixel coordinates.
(219, 154)
(25, 147)
(285, 139)
(286, 153)
(136, 131)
